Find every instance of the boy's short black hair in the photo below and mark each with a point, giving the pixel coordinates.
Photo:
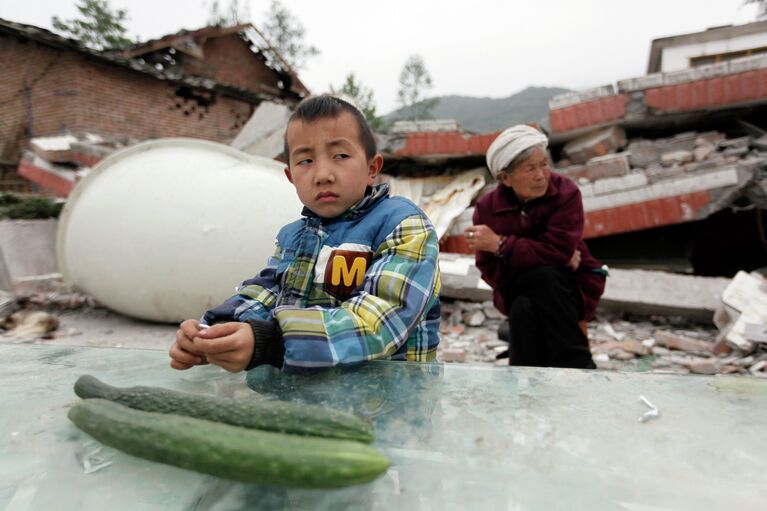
(326, 106)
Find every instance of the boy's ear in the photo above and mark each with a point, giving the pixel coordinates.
(288, 174)
(374, 167)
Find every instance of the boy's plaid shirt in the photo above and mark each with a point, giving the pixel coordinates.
(393, 313)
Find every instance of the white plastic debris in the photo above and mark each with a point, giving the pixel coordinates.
(649, 414)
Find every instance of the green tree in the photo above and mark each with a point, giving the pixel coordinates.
(234, 14)
(414, 84)
(98, 26)
(362, 97)
(286, 35)
(761, 12)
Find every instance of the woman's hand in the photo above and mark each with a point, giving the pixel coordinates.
(575, 260)
(482, 237)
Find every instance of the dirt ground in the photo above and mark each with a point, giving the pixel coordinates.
(618, 343)
(101, 327)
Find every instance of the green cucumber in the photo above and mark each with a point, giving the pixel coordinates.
(278, 416)
(229, 452)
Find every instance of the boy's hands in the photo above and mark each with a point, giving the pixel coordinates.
(227, 345)
(183, 353)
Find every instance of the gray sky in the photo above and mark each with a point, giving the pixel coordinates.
(490, 48)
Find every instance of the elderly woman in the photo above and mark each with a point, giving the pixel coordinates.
(528, 237)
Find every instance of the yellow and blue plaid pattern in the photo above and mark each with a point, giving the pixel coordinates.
(393, 314)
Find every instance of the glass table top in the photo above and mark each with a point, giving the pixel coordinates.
(459, 437)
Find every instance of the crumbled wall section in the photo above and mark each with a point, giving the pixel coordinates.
(229, 60)
(30, 91)
(47, 91)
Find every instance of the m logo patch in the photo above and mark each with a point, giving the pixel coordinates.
(345, 272)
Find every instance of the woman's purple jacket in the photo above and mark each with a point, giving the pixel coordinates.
(543, 232)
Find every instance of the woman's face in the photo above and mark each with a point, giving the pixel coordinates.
(529, 179)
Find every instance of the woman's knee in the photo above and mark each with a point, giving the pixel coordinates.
(542, 276)
(521, 306)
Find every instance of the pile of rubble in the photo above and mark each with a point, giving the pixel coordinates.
(660, 344)
(736, 343)
(34, 313)
(605, 161)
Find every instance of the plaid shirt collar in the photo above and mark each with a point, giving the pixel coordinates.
(373, 194)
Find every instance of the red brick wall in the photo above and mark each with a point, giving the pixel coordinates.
(41, 70)
(229, 60)
(69, 90)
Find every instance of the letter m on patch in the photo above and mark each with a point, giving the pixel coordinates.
(347, 272)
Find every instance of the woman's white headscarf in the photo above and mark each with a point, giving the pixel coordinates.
(510, 143)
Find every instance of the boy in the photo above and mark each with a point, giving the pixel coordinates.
(355, 279)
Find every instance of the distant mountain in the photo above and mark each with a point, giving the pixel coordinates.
(483, 115)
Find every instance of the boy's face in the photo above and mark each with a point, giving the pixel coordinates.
(327, 164)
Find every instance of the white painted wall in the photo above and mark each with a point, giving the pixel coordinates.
(678, 57)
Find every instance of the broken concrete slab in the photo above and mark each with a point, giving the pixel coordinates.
(461, 278)
(640, 292)
(263, 134)
(744, 318)
(56, 178)
(656, 292)
(53, 149)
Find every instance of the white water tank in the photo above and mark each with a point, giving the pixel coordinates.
(165, 229)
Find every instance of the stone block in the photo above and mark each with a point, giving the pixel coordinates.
(598, 143)
(703, 151)
(452, 355)
(643, 153)
(682, 343)
(677, 157)
(704, 366)
(611, 165)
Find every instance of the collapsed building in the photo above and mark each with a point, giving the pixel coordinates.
(203, 84)
(672, 165)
